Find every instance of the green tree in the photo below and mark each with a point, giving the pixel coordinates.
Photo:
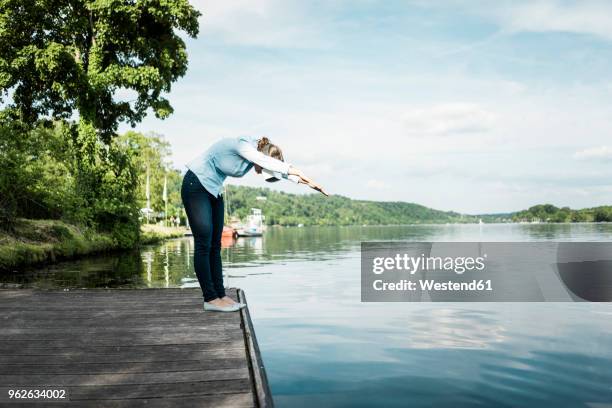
(579, 216)
(101, 61)
(64, 57)
(61, 56)
(603, 214)
(36, 179)
(561, 215)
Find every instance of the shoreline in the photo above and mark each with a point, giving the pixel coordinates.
(43, 242)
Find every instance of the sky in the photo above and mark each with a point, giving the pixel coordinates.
(471, 106)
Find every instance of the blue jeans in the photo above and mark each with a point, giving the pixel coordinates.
(205, 215)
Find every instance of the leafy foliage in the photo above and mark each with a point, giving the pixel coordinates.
(38, 180)
(61, 56)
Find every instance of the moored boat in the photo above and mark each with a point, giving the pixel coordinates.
(254, 226)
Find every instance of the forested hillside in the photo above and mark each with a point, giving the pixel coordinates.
(315, 209)
(550, 213)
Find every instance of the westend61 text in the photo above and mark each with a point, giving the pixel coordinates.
(432, 285)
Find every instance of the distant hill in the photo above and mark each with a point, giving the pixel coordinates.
(314, 209)
(497, 217)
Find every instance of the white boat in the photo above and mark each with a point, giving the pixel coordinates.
(254, 226)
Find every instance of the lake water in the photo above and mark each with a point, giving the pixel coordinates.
(322, 347)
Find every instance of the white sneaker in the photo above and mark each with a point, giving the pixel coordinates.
(239, 305)
(212, 308)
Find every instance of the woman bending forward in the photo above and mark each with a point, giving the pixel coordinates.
(203, 200)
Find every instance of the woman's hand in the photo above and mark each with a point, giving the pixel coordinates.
(317, 187)
(306, 180)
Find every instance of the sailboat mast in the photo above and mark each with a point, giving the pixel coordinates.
(148, 195)
(165, 198)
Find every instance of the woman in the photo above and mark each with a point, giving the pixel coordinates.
(203, 201)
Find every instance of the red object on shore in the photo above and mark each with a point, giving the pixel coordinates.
(228, 237)
(229, 232)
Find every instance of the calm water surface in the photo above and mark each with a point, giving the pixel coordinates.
(323, 347)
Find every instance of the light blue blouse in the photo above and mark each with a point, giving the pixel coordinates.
(234, 157)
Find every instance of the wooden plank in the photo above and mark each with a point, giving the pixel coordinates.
(105, 321)
(118, 314)
(96, 296)
(38, 348)
(107, 301)
(126, 347)
(145, 328)
(128, 292)
(89, 325)
(160, 390)
(106, 307)
(135, 338)
(119, 357)
(57, 380)
(229, 400)
(125, 367)
(140, 342)
(105, 296)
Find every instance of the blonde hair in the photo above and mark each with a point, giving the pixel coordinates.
(269, 149)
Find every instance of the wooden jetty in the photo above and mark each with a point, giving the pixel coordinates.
(128, 348)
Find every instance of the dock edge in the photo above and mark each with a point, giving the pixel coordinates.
(256, 366)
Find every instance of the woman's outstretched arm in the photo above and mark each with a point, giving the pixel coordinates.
(306, 180)
(269, 163)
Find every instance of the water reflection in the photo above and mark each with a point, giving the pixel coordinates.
(170, 264)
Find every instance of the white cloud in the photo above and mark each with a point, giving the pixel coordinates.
(579, 17)
(594, 153)
(447, 119)
(266, 23)
(377, 184)
(592, 17)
